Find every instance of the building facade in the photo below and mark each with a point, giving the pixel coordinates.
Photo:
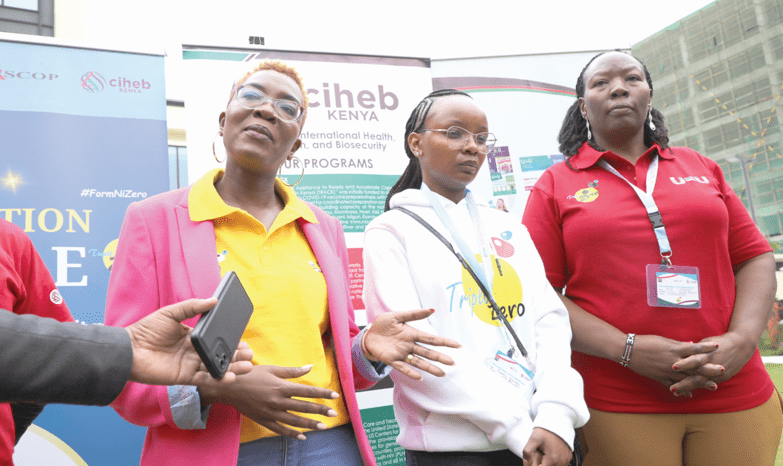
(718, 78)
(34, 17)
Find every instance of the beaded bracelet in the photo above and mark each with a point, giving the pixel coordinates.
(628, 349)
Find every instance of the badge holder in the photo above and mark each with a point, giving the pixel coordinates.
(673, 285)
(512, 367)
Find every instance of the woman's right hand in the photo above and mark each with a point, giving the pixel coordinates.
(656, 357)
(266, 397)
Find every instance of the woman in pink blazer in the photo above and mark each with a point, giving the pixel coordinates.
(165, 256)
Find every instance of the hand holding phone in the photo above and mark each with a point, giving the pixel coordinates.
(218, 330)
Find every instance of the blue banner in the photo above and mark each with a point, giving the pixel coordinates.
(83, 135)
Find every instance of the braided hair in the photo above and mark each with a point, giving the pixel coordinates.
(411, 177)
(573, 132)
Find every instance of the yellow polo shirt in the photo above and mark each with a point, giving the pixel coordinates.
(283, 280)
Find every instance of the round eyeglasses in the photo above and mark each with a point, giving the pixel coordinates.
(460, 137)
(251, 98)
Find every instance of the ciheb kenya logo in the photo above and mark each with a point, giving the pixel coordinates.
(94, 82)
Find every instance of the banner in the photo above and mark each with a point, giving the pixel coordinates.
(525, 98)
(84, 135)
(507, 102)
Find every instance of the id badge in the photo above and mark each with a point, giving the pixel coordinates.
(512, 367)
(673, 286)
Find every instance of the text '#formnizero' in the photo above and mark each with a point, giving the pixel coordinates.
(116, 193)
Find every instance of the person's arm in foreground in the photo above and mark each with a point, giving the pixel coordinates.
(46, 361)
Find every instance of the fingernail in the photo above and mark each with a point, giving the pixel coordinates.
(331, 413)
(307, 367)
(676, 367)
(432, 310)
(716, 345)
(301, 437)
(674, 390)
(321, 426)
(335, 395)
(677, 393)
(712, 386)
(722, 370)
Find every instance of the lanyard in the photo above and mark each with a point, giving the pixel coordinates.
(649, 205)
(485, 272)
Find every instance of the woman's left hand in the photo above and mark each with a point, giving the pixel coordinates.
(756, 285)
(546, 449)
(393, 342)
(731, 355)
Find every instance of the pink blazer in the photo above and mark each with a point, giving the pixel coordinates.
(162, 258)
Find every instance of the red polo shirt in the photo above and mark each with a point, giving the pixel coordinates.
(26, 287)
(595, 238)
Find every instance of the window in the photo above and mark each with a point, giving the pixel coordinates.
(708, 110)
(771, 126)
(178, 167)
(21, 4)
(769, 225)
(725, 100)
(743, 96)
(763, 188)
(713, 139)
(774, 11)
(731, 134)
(673, 123)
(679, 121)
(750, 24)
(747, 61)
(758, 166)
(712, 77)
(766, 199)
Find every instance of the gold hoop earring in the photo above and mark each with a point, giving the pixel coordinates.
(213, 148)
(280, 174)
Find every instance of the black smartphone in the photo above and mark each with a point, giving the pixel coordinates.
(217, 333)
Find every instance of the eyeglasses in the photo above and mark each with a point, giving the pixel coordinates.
(460, 137)
(252, 98)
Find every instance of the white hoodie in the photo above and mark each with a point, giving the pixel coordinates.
(472, 408)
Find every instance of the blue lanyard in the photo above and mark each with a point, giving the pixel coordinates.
(649, 205)
(483, 271)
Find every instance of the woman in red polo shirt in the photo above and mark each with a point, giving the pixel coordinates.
(667, 280)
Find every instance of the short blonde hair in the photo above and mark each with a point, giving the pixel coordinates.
(280, 67)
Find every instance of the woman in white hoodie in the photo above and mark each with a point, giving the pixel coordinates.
(512, 393)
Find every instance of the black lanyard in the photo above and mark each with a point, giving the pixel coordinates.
(487, 294)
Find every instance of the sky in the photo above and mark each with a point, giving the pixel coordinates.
(409, 28)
